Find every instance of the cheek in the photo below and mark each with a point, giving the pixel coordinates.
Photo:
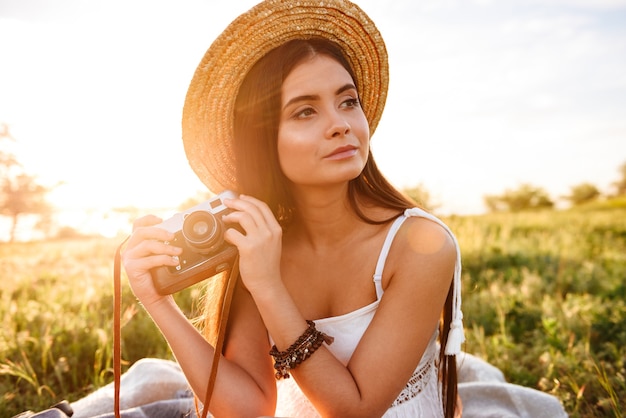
(364, 130)
(290, 154)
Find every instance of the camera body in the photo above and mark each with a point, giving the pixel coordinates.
(199, 231)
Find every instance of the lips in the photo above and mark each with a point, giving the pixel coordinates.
(342, 152)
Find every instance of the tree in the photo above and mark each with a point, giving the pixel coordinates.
(421, 196)
(583, 193)
(494, 203)
(620, 185)
(8, 162)
(526, 197)
(20, 193)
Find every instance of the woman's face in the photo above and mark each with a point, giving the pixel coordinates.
(323, 135)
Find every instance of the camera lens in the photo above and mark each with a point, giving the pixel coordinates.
(202, 231)
(200, 228)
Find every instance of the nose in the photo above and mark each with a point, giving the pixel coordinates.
(338, 126)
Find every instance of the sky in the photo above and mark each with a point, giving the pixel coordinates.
(485, 95)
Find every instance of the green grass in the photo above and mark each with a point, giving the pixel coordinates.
(56, 308)
(544, 300)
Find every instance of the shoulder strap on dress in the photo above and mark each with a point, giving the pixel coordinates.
(456, 335)
(384, 252)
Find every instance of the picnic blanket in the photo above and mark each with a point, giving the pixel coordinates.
(155, 388)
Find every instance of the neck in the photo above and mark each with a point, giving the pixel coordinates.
(324, 216)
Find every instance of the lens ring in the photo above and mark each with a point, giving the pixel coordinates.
(201, 230)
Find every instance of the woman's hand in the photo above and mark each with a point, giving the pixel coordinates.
(259, 246)
(145, 250)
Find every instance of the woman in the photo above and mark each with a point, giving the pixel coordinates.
(281, 110)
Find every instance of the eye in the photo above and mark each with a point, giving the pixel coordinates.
(304, 113)
(351, 103)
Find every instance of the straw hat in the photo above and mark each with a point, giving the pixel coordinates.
(207, 122)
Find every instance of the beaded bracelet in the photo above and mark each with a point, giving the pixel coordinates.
(299, 351)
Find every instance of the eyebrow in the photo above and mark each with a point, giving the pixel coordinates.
(311, 97)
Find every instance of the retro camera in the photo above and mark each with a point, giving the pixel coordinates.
(199, 231)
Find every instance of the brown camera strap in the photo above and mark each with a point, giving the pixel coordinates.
(231, 282)
(117, 328)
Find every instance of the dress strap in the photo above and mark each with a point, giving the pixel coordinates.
(456, 335)
(384, 252)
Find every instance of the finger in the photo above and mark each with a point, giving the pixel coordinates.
(265, 219)
(145, 233)
(135, 254)
(258, 211)
(150, 247)
(234, 237)
(239, 208)
(137, 266)
(148, 255)
(263, 209)
(244, 219)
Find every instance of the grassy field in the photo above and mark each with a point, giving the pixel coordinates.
(544, 300)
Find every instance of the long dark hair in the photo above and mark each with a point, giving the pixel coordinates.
(257, 109)
(256, 128)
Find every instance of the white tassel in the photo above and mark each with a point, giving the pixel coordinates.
(456, 337)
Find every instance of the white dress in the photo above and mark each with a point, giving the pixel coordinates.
(421, 396)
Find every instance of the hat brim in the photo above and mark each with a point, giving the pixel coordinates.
(207, 123)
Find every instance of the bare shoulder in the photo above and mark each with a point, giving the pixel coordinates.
(427, 237)
(425, 248)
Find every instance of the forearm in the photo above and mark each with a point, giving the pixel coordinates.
(235, 393)
(333, 389)
(342, 397)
